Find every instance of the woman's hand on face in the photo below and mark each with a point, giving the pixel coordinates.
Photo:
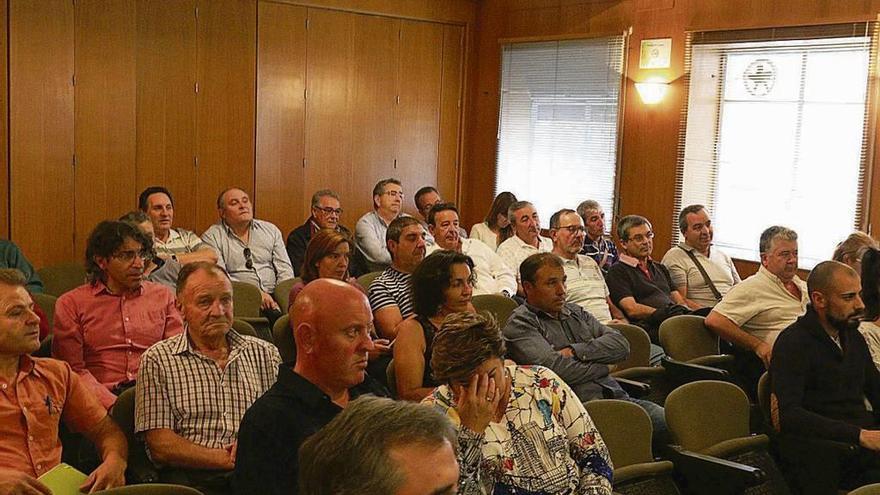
(478, 401)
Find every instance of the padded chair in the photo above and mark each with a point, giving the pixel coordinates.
(282, 292)
(247, 300)
(392, 378)
(244, 328)
(366, 279)
(151, 489)
(712, 418)
(626, 429)
(685, 338)
(283, 337)
(637, 366)
(500, 306)
(58, 279)
(140, 468)
(867, 490)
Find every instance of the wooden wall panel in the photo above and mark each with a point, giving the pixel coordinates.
(4, 130)
(225, 109)
(451, 11)
(166, 99)
(105, 98)
(418, 122)
(41, 128)
(448, 156)
(281, 79)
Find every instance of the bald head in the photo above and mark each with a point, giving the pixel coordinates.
(823, 277)
(834, 293)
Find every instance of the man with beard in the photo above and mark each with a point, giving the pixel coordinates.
(822, 372)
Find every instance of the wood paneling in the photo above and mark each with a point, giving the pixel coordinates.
(104, 112)
(452, 11)
(41, 128)
(281, 79)
(4, 134)
(166, 102)
(225, 103)
(418, 114)
(448, 155)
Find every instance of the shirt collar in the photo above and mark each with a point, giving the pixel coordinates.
(687, 247)
(184, 344)
(100, 287)
(231, 232)
(563, 313)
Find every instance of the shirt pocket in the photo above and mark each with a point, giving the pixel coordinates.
(146, 327)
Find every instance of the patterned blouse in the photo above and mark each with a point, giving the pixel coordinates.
(546, 443)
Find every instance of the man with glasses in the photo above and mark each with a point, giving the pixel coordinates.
(639, 286)
(585, 284)
(371, 228)
(102, 328)
(326, 211)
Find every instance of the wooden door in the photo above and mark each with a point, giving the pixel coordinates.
(281, 80)
(41, 129)
(4, 131)
(104, 113)
(451, 85)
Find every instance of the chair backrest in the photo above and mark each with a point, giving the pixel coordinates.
(151, 489)
(500, 306)
(58, 279)
(282, 335)
(626, 429)
(685, 337)
(639, 346)
(246, 299)
(391, 377)
(867, 490)
(767, 402)
(704, 413)
(282, 292)
(244, 328)
(366, 279)
(46, 302)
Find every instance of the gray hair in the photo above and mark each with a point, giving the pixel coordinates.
(136, 217)
(588, 205)
(772, 233)
(682, 217)
(351, 455)
(379, 188)
(514, 207)
(629, 222)
(323, 193)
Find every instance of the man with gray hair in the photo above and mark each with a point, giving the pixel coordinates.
(753, 313)
(527, 239)
(700, 273)
(378, 446)
(596, 244)
(371, 228)
(326, 210)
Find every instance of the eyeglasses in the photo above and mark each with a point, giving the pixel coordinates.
(394, 194)
(329, 211)
(574, 229)
(128, 256)
(642, 237)
(248, 259)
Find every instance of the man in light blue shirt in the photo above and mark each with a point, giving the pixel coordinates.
(371, 228)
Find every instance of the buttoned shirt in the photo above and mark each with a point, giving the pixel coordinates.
(536, 337)
(602, 250)
(370, 233)
(102, 335)
(585, 286)
(493, 275)
(762, 306)
(685, 273)
(43, 392)
(268, 254)
(181, 389)
(180, 241)
(514, 251)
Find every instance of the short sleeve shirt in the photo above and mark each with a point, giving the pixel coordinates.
(392, 288)
(179, 241)
(514, 251)
(585, 286)
(625, 280)
(685, 273)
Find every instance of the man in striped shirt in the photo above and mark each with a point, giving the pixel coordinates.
(391, 292)
(193, 389)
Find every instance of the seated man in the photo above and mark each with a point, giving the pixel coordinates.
(178, 244)
(331, 323)
(755, 310)
(326, 210)
(642, 288)
(411, 445)
(12, 257)
(822, 374)
(527, 239)
(493, 275)
(251, 250)
(102, 328)
(562, 336)
(701, 274)
(425, 199)
(370, 229)
(37, 393)
(193, 389)
(585, 284)
(391, 292)
(596, 244)
(161, 271)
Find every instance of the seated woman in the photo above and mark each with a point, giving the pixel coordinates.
(853, 248)
(870, 327)
(327, 256)
(442, 284)
(496, 228)
(521, 429)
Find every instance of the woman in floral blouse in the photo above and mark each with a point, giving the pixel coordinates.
(520, 428)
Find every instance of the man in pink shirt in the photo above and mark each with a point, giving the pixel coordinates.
(102, 328)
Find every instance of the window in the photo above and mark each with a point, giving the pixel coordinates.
(557, 130)
(776, 133)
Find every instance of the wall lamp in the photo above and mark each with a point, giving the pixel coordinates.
(652, 92)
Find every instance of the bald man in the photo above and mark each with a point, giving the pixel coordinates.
(331, 323)
(821, 374)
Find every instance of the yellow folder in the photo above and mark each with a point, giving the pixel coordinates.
(63, 479)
